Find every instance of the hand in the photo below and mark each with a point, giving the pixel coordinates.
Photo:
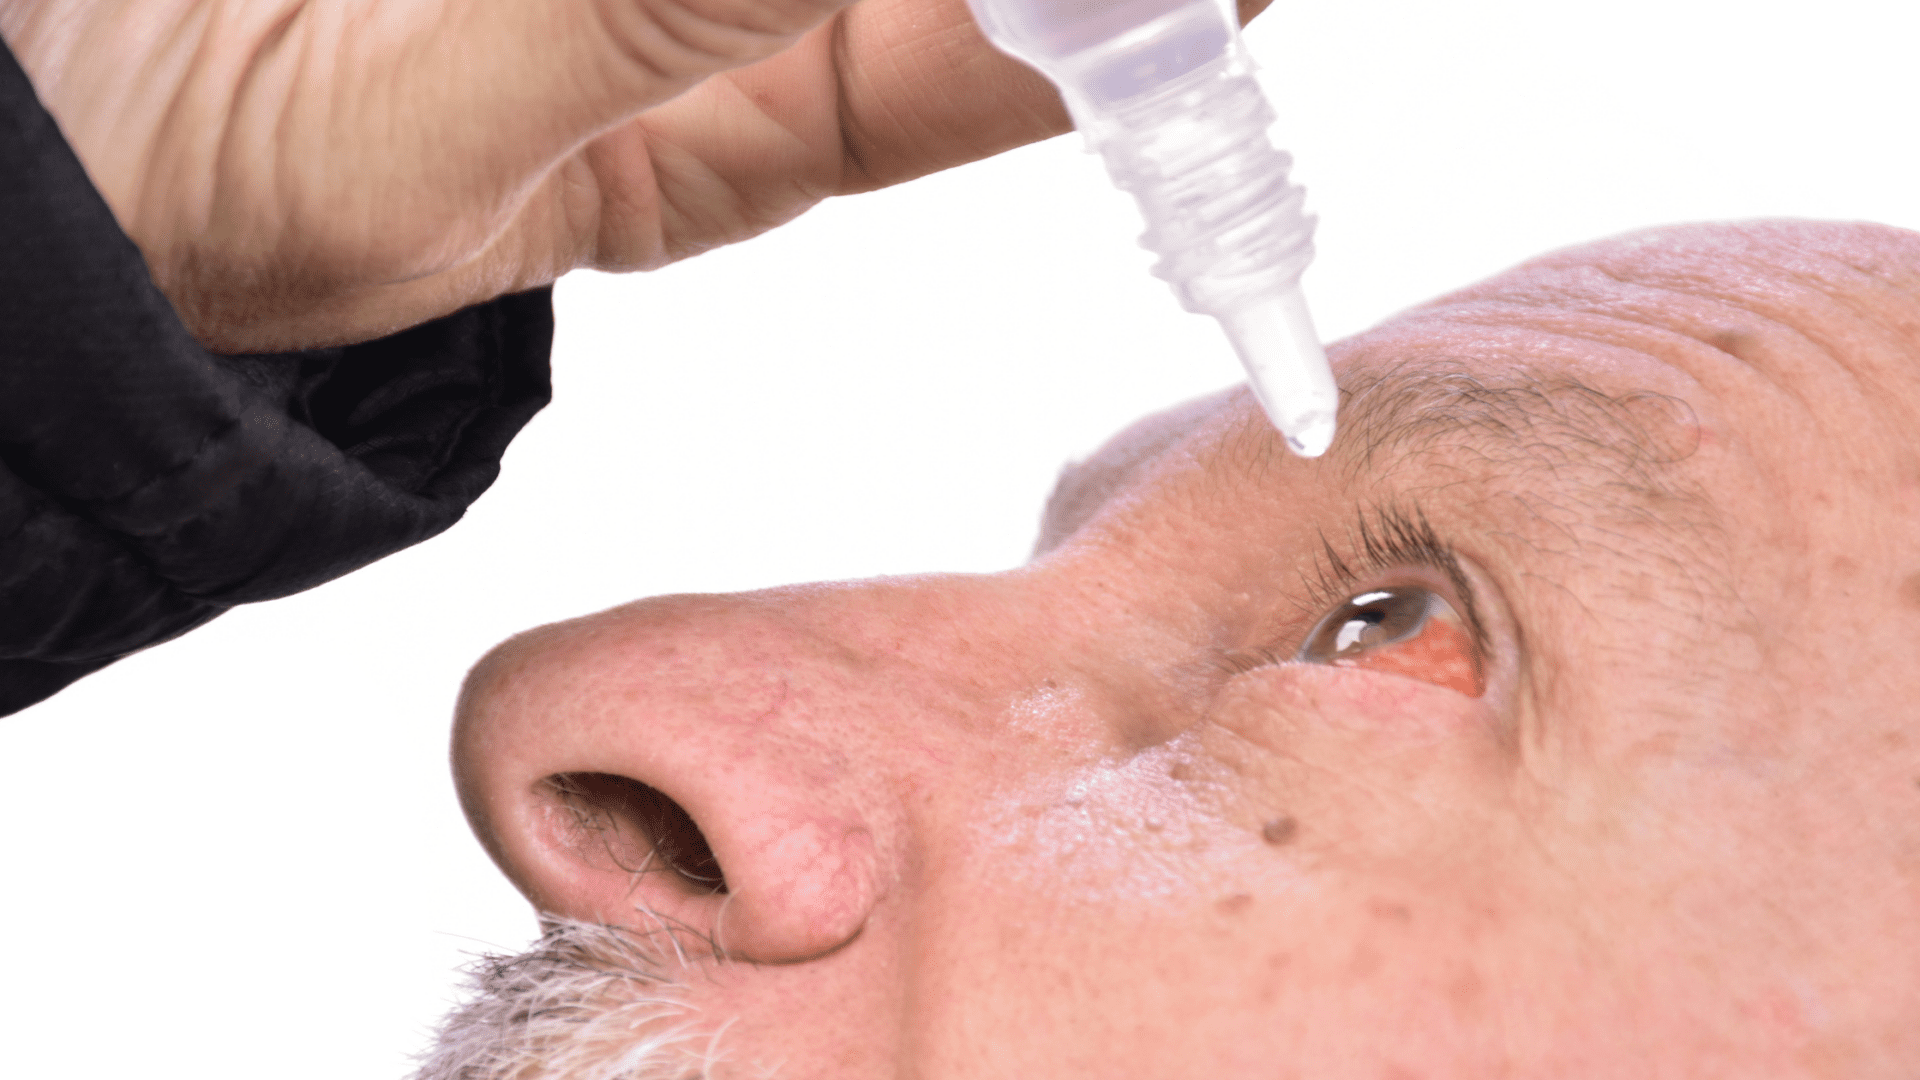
(305, 173)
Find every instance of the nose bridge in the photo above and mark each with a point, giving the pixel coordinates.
(931, 679)
(791, 726)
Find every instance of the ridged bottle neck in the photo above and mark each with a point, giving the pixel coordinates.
(1221, 214)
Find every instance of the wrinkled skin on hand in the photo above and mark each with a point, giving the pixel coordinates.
(1089, 817)
(301, 173)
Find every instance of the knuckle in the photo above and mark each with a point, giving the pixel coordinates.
(684, 40)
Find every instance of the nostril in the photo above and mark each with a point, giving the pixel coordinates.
(799, 879)
(635, 827)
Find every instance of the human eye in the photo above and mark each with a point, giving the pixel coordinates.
(1402, 630)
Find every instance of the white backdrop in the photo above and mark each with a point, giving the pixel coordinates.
(238, 855)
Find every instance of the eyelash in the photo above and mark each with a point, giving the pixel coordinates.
(1381, 539)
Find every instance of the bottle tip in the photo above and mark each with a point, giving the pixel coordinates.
(1309, 434)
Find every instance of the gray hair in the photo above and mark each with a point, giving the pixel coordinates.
(585, 1002)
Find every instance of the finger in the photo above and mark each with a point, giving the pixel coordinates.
(920, 89)
(923, 90)
(889, 90)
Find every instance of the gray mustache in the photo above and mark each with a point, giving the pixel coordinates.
(584, 1002)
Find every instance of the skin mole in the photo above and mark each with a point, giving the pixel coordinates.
(1279, 831)
(1733, 341)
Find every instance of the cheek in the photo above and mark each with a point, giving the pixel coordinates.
(1363, 765)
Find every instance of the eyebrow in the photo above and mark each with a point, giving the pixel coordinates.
(1616, 448)
(1610, 451)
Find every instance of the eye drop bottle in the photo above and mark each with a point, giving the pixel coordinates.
(1163, 91)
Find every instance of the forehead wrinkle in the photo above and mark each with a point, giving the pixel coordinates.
(1790, 304)
(1733, 331)
(1808, 281)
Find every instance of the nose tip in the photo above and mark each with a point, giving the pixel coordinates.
(616, 796)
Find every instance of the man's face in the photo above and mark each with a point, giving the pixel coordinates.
(1560, 722)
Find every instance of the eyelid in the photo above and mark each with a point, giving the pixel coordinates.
(1381, 541)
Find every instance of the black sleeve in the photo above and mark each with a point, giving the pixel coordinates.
(147, 485)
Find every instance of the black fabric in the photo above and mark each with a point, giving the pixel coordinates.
(147, 485)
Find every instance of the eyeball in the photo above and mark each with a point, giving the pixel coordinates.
(1405, 630)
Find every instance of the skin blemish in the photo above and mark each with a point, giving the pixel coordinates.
(1233, 905)
(1669, 428)
(1467, 994)
(1389, 910)
(1365, 961)
(1279, 831)
(1910, 591)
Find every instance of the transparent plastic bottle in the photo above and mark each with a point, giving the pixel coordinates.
(1164, 91)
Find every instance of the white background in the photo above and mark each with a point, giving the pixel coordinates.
(238, 855)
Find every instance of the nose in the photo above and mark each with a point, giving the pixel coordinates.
(714, 765)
